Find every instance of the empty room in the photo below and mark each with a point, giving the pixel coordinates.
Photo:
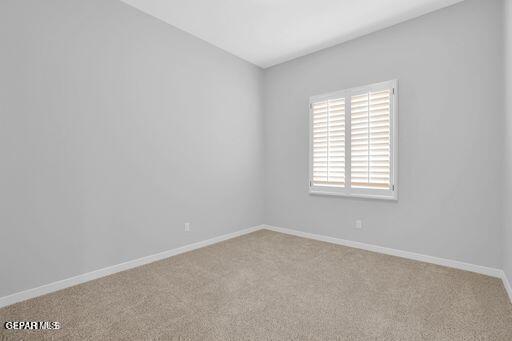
(256, 170)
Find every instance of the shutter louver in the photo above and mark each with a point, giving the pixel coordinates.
(371, 140)
(329, 143)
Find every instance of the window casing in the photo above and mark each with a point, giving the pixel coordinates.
(354, 142)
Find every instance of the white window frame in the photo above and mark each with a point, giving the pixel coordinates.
(348, 191)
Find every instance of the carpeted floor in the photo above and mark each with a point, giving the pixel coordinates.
(272, 286)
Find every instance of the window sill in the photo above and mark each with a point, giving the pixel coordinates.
(393, 196)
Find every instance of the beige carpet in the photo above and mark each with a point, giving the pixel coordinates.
(271, 286)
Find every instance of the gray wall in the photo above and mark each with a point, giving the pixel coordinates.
(449, 67)
(115, 129)
(507, 202)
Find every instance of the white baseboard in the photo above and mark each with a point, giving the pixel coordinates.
(66, 283)
(484, 270)
(506, 284)
(493, 272)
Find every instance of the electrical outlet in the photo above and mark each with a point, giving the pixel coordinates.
(359, 224)
(187, 227)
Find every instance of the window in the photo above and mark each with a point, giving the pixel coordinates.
(353, 142)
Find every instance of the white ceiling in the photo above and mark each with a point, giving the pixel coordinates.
(269, 32)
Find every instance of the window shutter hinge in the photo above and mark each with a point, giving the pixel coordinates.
(393, 187)
(393, 91)
(310, 184)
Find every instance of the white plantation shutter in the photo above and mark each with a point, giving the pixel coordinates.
(359, 123)
(329, 142)
(371, 139)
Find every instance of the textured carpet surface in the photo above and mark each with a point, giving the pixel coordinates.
(272, 286)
